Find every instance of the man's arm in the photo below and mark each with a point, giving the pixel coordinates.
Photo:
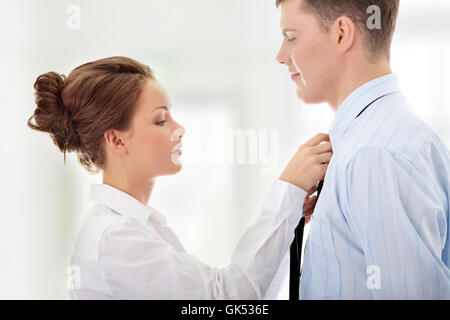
(398, 217)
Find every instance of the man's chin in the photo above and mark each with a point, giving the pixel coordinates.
(302, 96)
(307, 98)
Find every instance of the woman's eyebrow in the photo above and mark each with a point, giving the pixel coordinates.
(161, 107)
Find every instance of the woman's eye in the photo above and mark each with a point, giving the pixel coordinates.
(160, 123)
(290, 40)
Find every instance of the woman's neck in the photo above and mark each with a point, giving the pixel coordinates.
(138, 189)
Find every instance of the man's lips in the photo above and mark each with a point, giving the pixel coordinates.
(295, 75)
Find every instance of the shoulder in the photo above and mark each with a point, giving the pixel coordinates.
(425, 165)
(398, 129)
(372, 158)
(98, 220)
(401, 136)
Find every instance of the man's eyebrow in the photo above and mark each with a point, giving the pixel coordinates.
(286, 31)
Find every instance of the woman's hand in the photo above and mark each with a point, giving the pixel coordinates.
(309, 204)
(309, 164)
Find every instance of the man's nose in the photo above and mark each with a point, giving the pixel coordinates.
(282, 56)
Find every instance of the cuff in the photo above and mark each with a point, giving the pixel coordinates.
(285, 201)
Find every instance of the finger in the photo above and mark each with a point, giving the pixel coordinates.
(307, 219)
(324, 157)
(308, 213)
(309, 204)
(323, 147)
(317, 139)
(311, 191)
(307, 207)
(324, 168)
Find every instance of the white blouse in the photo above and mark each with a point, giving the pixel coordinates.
(125, 250)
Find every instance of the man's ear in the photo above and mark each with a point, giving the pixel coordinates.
(115, 141)
(344, 31)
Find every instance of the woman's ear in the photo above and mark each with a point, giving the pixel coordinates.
(115, 140)
(344, 30)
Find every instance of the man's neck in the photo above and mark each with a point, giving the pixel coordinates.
(354, 78)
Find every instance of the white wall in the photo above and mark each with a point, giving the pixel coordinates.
(217, 61)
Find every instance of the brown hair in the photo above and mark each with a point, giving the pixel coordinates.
(95, 97)
(377, 41)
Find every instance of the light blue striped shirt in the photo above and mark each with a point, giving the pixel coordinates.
(380, 229)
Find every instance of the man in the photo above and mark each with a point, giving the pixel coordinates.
(380, 229)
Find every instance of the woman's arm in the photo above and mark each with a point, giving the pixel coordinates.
(138, 264)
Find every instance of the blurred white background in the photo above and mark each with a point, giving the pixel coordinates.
(217, 61)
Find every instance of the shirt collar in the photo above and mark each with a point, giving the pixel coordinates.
(357, 101)
(123, 203)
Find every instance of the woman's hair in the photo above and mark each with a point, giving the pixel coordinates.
(78, 109)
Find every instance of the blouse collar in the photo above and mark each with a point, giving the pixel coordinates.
(123, 203)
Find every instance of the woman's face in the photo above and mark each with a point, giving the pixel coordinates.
(154, 137)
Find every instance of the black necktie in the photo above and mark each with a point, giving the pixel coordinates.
(296, 255)
(296, 246)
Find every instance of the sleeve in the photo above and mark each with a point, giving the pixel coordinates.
(395, 212)
(137, 265)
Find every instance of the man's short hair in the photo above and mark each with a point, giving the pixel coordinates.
(376, 41)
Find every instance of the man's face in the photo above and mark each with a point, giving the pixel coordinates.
(308, 52)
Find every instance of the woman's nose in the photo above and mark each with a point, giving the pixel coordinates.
(177, 134)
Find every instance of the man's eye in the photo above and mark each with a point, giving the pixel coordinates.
(160, 123)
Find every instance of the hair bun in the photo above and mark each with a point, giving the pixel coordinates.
(51, 115)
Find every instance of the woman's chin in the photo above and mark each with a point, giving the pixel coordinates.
(174, 169)
(178, 168)
(175, 160)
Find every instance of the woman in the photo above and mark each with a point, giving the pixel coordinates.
(117, 118)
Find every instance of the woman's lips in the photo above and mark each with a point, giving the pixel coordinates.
(295, 75)
(177, 149)
(176, 153)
